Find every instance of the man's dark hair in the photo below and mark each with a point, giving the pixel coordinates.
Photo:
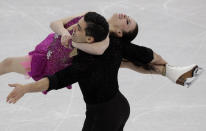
(97, 26)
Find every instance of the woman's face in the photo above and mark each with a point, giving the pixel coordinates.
(122, 22)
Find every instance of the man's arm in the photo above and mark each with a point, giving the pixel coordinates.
(69, 75)
(76, 72)
(19, 89)
(96, 48)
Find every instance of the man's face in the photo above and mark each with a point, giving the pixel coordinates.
(79, 34)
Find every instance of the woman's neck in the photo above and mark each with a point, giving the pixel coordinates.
(111, 27)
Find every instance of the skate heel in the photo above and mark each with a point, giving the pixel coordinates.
(197, 71)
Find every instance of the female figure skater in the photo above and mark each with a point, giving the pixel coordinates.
(126, 29)
(55, 52)
(50, 55)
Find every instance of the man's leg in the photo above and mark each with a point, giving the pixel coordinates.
(108, 116)
(106, 120)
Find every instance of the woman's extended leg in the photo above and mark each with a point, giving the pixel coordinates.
(14, 64)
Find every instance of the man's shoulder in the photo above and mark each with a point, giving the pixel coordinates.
(81, 55)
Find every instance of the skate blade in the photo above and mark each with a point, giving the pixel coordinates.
(196, 74)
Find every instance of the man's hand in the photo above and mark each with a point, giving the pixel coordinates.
(16, 94)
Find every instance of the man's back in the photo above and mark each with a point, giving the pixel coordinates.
(97, 75)
(100, 82)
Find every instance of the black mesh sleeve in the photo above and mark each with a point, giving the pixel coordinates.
(71, 74)
(139, 55)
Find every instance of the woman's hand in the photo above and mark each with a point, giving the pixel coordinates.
(65, 39)
(17, 93)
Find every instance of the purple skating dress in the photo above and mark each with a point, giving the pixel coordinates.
(50, 56)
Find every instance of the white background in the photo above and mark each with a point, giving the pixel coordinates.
(175, 29)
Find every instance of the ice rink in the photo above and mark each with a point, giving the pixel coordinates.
(175, 29)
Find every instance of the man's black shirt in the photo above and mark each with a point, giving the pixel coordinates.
(97, 74)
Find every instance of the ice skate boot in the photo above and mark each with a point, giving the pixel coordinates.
(185, 75)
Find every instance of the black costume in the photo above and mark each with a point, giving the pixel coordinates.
(107, 108)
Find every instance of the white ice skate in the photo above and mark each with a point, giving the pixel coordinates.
(185, 75)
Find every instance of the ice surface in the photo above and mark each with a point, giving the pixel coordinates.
(175, 29)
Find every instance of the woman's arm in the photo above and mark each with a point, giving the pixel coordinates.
(58, 25)
(141, 56)
(158, 69)
(58, 28)
(96, 48)
(157, 62)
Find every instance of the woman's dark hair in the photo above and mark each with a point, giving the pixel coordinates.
(127, 37)
(97, 26)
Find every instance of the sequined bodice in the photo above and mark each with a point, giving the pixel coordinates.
(57, 54)
(50, 55)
